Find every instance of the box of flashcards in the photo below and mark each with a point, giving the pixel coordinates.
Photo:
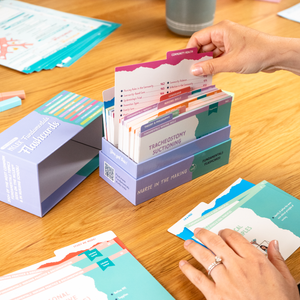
(49, 152)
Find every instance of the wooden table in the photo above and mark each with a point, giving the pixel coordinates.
(265, 122)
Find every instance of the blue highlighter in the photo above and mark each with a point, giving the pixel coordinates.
(10, 103)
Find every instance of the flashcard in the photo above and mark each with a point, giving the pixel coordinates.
(184, 128)
(140, 85)
(265, 214)
(179, 229)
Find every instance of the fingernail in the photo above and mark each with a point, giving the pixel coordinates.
(197, 71)
(276, 245)
(196, 230)
(187, 242)
(182, 263)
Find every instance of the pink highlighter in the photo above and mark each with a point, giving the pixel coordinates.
(8, 95)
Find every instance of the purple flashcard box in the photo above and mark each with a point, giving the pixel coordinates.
(49, 152)
(141, 189)
(137, 170)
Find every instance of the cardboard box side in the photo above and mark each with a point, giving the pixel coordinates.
(165, 159)
(174, 175)
(181, 172)
(69, 185)
(19, 183)
(119, 179)
(92, 134)
(35, 137)
(46, 148)
(61, 165)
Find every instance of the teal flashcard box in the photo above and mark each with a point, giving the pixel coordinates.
(49, 152)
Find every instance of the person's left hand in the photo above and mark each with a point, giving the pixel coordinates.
(245, 272)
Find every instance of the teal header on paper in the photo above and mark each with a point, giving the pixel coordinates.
(125, 278)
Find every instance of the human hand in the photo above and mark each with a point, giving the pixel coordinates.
(245, 272)
(236, 48)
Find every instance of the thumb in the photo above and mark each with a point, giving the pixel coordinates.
(213, 66)
(277, 260)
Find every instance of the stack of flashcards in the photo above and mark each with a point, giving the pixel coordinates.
(34, 38)
(50, 151)
(174, 121)
(158, 106)
(142, 85)
(261, 213)
(163, 126)
(97, 268)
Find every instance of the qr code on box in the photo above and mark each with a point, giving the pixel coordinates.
(109, 171)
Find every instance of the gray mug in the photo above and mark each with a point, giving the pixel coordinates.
(185, 17)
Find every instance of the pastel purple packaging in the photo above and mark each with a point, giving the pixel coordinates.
(167, 158)
(139, 190)
(49, 152)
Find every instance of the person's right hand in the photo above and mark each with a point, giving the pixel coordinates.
(236, 48)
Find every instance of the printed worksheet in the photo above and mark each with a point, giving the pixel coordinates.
(94, 269)
(62, 255)
(33, 38)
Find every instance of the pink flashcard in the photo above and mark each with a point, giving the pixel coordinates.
(140, 85)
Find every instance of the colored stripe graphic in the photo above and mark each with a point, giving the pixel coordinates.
(67, 106)
(58, 102)
(84, 110)
(90, 111)
(76, 103)
(79, 106)
(92, 116)
(63, 104)
(51, 101)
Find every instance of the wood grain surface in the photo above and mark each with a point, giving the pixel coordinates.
(265, 122)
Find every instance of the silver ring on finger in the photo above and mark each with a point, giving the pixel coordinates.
(218, 261)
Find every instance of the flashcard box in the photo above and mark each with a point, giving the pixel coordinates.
(49, 152)
(137, 170)
(139, 190)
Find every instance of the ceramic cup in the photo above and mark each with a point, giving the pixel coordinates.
(185, 17)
